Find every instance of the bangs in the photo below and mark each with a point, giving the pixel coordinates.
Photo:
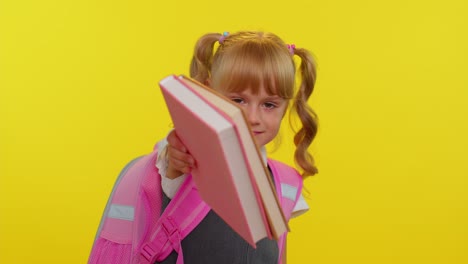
(253, 65)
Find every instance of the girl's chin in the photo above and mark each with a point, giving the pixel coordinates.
(259, 141)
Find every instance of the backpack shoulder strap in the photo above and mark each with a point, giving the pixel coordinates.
(289, 187)
(185, 211)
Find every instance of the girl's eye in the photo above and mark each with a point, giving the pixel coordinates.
(237, 100)
(269, 105)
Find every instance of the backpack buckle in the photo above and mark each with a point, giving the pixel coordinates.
(172, 231)
(167, 239)
(148, 253)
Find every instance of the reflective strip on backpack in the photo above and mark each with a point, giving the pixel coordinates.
(289, 191)
(122, 212)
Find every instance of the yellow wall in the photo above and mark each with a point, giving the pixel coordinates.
(79, 98)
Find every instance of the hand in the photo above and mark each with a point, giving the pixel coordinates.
(180, 161)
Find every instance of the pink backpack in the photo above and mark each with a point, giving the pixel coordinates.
(132, 229)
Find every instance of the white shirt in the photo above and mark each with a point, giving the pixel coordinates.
(171, 186)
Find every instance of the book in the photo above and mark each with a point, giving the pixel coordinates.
(230, 175)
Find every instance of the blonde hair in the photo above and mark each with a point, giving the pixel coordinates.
(249, 59)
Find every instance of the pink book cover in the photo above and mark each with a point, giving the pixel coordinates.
(197, 88)
(211, 146)
(247, 163)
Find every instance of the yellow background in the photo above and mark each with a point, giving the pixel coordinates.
(79, 98)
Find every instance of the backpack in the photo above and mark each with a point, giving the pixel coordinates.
(133, 230)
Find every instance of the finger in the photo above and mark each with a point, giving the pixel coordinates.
(175, 141)
(172, 173)
(176, 154)
(179, 165)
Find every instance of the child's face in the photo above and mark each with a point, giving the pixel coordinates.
(264, 112)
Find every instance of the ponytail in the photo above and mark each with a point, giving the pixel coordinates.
(200, 67)
(307, 116)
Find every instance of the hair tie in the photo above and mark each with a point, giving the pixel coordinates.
(223, 37)
(291, 48)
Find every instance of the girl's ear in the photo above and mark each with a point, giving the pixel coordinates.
(208, 82)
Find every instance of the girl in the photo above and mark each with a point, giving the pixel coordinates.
(257, 71)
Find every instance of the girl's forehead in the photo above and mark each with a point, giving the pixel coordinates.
(254, 67)
(255, 87)
(247, 95)
(256, 91)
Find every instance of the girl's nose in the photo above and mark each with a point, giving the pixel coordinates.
(253, 115)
